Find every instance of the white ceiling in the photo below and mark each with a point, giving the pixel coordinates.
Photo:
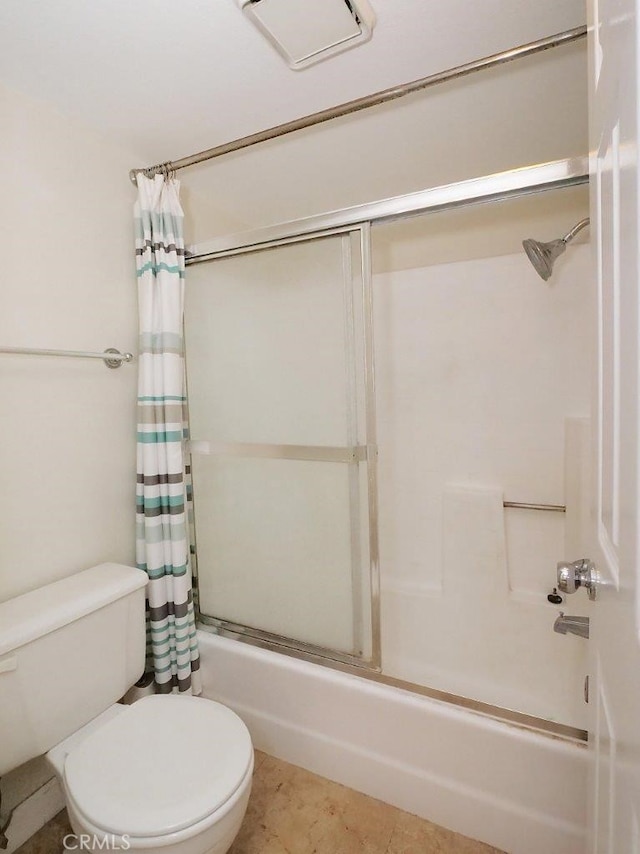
(166, 79)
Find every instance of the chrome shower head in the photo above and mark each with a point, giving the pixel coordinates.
(543, 255)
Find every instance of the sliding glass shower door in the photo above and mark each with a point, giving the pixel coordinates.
(282, 444)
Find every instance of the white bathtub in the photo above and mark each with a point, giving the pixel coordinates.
(523, 792)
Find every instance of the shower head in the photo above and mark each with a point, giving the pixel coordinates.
(543, 255)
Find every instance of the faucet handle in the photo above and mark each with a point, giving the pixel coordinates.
(580, 573)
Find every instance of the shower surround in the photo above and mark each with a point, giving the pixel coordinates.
(482, 396)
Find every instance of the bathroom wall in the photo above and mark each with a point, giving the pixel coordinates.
(68, 282)
(482, 396)
(68, 425)
(67, 453)
(476, 125)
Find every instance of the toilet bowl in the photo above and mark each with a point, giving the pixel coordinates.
(169, 774)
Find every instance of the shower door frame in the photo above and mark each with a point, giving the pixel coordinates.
(354, 453)
(514, 183)
(554, 175)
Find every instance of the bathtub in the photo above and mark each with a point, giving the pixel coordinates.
(521, 791)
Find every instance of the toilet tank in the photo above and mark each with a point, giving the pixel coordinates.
(67, 652)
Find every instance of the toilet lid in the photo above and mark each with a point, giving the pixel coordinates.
(165, 763)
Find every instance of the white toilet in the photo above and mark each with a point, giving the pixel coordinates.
(169, 774)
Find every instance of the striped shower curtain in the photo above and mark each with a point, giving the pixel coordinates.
(162, 494)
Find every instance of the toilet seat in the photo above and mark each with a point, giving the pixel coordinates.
(163, 765)
(222, 824)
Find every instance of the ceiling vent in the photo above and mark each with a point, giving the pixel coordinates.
(308, 31)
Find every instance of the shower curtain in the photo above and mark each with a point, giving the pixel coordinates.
(163, 489)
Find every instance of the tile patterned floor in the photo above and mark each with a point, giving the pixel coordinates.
(292, 811)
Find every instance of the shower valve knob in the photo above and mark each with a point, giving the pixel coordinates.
(580, 573)
(554, 597)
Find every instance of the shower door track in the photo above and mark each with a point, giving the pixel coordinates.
(510, 184)
(555, 175)
(263, 640)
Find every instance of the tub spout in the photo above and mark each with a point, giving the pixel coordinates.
(572, 625)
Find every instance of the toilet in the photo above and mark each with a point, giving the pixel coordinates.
(169, 774)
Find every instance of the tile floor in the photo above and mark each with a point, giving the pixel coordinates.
(292, 811)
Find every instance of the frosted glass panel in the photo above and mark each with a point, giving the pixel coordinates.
(274, 538)
(275, 342)
(267, 345)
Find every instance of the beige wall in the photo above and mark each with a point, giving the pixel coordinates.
(67, 452)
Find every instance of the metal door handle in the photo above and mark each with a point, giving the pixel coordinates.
(580, 573)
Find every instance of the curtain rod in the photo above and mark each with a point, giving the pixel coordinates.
(364, 103)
